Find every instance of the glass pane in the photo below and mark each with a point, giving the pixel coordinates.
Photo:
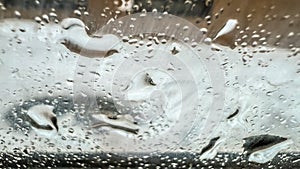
(149, 83)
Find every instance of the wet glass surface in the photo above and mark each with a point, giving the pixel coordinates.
(169, 84)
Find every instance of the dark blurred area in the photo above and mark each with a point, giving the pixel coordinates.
(41, 4)
(276, 21)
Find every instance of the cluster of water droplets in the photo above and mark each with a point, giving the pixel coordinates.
(228, 85)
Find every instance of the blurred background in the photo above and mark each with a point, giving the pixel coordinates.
(275, 22)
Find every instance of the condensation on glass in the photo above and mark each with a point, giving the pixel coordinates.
(136, 83)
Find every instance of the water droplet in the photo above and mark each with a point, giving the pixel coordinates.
(228, 27)
(45, 17)
(17, 14)
(43, 120)
(77, 12)
(37, 19)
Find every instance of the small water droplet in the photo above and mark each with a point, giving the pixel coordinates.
(17, 14)
(77, 12)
